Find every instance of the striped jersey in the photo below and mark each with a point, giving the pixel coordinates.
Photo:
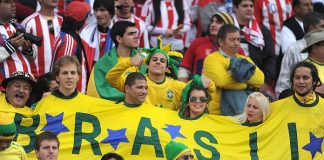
(11, 58)
(39, 26)
(169, 20)
(140, 25)
(65, 45)
(272, 14)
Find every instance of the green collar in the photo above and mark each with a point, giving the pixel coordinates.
(304, 104)
(251, 124)
(188, 118)
(59, 94)
(131, 105)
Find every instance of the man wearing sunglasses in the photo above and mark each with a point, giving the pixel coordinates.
(12, 58)
(44, 23)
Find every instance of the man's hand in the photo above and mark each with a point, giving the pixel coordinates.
(27, 45)
(17, 41)
(320, 89)
(168, 33)
(206, 81)
(137, 60)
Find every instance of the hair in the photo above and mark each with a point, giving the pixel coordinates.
(108, 4)
(236, 3)
(264, 105)
(157, 11)
(195, 87)
(46, 135)
(112, 155)
(66, 60)
(295, 3)
(132, 77)
(119, 29)
(42, 86)
(226, 28)
(312, 19)
(316, 80)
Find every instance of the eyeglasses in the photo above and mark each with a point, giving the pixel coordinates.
(50, 26)
(187, 157)
(201, 99)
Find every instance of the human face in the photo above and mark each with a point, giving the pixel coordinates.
(126, 6)
(48, 3)
(319, 25)
(4, 144)
(215, 25)
(305, 7)
(231, 44)
(186, 156)
(18, 92)
(198, 107)
(158, 64)
(303, 81)
(8, 10)
(52, 85)
(130, 38)
(68, 78)
(136, 93)
(253, 111)
(103, 17)
(48, 150)
(244, 12)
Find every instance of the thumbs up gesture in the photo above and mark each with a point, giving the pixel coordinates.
(137, 60)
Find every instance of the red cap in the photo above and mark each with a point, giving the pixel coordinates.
(77, 10)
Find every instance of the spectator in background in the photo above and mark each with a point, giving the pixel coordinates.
(169, 19)
(12, 58)
(46, 84)
(9, 150)
(293, 55)
(124, 13)
(234, 75)
(256, 110)
(126, 40)
(272, 14)
(193, 59)
(112, 156)
(98, 33)
(47, 146)
(47, 24)
(293, 28)
(70, 43)
(256, 42)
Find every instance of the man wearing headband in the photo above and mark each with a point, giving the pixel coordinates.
(163, 91)
(9, 150)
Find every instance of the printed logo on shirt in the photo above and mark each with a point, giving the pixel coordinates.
(170, 94)
(272, 7)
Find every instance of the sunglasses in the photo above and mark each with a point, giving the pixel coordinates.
(187, 157)
(201, 99)
(50, 26)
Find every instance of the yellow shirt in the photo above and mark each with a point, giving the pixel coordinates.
(6, 107)
(14, 152)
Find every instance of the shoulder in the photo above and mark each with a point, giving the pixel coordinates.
(29, 18)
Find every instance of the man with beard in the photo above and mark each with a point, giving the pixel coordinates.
(18, 88)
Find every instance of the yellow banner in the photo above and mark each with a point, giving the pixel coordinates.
(89, 127)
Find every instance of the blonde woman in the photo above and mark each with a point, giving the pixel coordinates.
(256, 110)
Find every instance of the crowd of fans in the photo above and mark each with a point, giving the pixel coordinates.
(196, 57)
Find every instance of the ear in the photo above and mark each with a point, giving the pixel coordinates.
(220, 42)
(127, 88)
(119, 39)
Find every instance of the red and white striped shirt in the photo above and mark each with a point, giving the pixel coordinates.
(38, 25)
(65, 45)
(272, 14)
(169, 20)
(12, 60)
(140, 25)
